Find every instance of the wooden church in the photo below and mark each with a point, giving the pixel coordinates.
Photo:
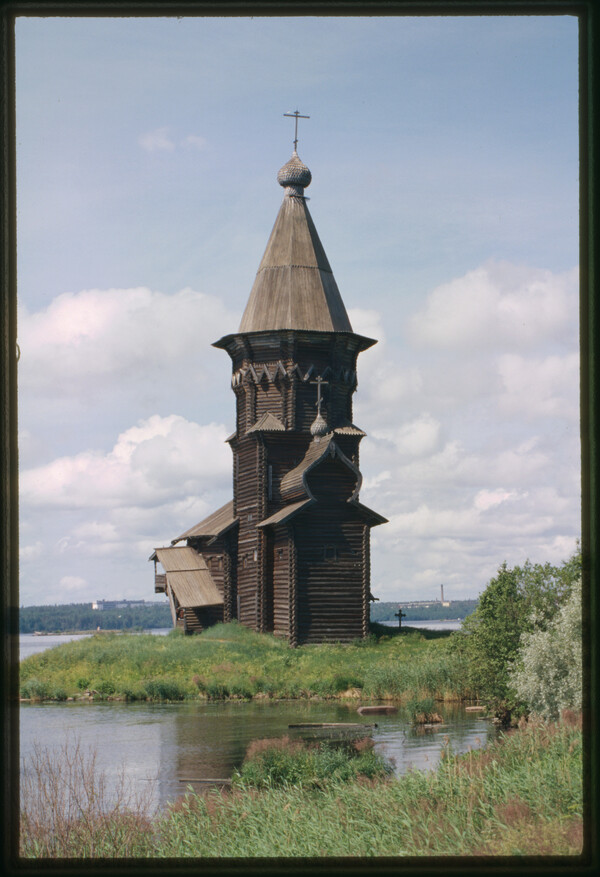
(289, 554)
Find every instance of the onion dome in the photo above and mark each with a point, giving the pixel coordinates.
(294, 175)
(318, 427)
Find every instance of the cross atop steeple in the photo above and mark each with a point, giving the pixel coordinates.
(297, 116)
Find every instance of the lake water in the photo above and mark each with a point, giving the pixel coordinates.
(168, 745)
(163, 746)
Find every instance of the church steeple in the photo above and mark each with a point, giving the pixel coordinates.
(294, 286)
(290, 554)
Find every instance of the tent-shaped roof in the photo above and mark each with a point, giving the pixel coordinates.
(294, 286)
(188, 577)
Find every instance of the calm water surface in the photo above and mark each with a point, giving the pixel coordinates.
(164, 746)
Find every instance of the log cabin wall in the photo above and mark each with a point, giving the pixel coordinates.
(279, 584)
(331, 585)
(195, 620)
(248, 507)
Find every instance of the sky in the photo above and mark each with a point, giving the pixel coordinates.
(444, 157)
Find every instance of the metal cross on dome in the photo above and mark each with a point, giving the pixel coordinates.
(297, 116)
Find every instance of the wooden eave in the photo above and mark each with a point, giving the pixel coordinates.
(239, 346)
(188, 577)
(214, 525)
(267, 423)
(287, 512)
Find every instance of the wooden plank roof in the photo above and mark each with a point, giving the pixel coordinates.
(213, 525)
(294, 286)
(188, 577)
(286, 513)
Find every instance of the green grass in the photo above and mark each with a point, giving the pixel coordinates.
(229, 661)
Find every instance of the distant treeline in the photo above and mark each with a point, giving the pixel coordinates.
(435, 612)
(80, 616)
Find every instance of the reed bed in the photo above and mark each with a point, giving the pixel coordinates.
(229, 661)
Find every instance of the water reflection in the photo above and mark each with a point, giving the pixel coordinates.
(169, 744)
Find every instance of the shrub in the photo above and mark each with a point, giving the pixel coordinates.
(163, 689)
(105, 687)
(516, 602)
(422, 711)
(547, 673)
(35, 689)
(284, 762)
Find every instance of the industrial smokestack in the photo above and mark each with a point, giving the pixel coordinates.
(442, 590)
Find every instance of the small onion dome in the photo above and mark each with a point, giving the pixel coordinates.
(294, 173)
(319, 426)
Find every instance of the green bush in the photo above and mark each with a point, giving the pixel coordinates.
(106, 687)
(285, 762)
(547, 672)
(163, 689)
(35, 689)
(516, 602)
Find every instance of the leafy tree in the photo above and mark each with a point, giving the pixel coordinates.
(517, 601)
(547, 672)
(491, 639)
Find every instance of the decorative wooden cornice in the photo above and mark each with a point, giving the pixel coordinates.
(255, 373)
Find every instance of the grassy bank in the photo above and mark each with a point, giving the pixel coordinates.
(522, 795)
(229, 661)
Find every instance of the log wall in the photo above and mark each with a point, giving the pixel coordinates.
(331, 579)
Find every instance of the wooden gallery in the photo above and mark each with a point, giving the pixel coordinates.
(290, 553)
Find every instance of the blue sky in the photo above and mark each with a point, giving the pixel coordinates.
(445, 192)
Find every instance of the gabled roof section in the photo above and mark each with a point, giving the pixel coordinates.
(215, 525)
(287, 512)
(188, 577)
(267, 423)
(294, 483)
(294, 286)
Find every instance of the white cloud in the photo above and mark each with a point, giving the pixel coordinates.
(194, 141)
(488, 499)
(84, 339)
(157, 461)
(157, 141)
(498, 306)
(540, 386)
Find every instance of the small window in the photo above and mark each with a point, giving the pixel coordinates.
(255, 555)
(280, 553)
(249, 516)
(330, 552)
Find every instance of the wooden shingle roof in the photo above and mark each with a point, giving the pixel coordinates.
(294, 286)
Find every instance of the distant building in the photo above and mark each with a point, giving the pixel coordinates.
(120, 604)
